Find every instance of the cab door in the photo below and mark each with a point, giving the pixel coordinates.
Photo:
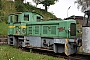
(17, 29)
(17, 24)
(11, 25)
(23, 29)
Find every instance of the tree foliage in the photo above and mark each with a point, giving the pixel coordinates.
(37, 2)
(9, 7)
(0, 4)
(46, 3)
(19, 5)
(83, 4)
(19, 0)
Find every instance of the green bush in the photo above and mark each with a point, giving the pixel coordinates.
(3, 28)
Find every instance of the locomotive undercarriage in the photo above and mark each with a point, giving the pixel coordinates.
(67, 46)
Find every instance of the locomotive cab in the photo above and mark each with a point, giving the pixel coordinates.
(15, 25)
(29, 17)
(17, 22)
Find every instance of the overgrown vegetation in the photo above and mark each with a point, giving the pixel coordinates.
(3, 28)
(46, 15)
(7, 7)
(83, 4)
(10, 53)
(45, 3)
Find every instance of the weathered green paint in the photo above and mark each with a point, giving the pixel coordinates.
(10, 30)
(50, 29)
(35, 27)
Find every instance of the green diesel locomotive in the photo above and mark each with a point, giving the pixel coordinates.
(27, 29)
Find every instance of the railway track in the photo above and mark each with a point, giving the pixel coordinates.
(3, 40)
(51, 53)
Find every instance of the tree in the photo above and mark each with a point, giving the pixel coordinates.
(46, 3)
(19, 0)
(37, 2)
(83, 4)
(19, 5)
(0, 4)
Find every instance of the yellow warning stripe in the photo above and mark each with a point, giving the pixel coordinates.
(14, 26)
(22, 26)
(66, 53)
(66, 47)
(11, 26)
(67, 41)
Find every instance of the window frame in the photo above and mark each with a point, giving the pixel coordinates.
(16, 18)
(26, 17)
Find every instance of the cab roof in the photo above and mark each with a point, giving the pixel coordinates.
(24, 12)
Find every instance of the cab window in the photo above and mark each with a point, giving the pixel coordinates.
(38, 18)
(26, 17)
(16, 18)
(11, 19)
(73, 29)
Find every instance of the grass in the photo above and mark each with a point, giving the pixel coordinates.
(10, 53)
(3, 28)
